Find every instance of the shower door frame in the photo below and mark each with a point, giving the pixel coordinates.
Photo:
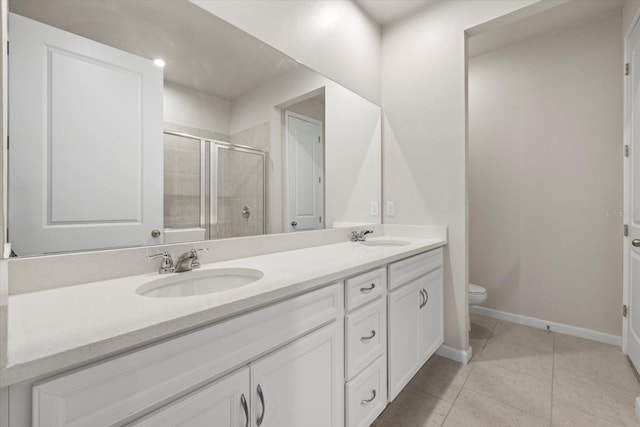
(214, 146)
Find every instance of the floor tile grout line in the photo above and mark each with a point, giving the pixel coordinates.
(468, 375)
(502, 403)
(511, 370)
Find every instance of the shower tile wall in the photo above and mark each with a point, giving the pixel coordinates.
(256, 137)
(241, 183)
(181, 182)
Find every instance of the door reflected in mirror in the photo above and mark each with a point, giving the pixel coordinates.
(230, 138)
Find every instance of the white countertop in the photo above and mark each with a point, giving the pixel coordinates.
(63, 328)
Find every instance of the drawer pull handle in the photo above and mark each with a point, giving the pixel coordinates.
(365, 339)
(365, 402)
(243, 400)
(426, 297)
(261, 396)
(422, 299)
(369, 289)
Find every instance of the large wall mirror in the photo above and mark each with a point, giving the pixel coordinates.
(150, 122)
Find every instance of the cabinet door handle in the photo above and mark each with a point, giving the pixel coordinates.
(243, 401)
(422, 303)
(365, 339)
(261, 396)
(426, 296)
(365, 402)
(369, 289)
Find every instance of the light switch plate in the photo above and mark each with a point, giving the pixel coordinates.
(375, 208)
(391, 208)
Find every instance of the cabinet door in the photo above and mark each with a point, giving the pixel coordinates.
(224, 403)
(431, 314)
(301, 384)
(404, 336)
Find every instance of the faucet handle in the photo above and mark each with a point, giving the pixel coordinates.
(167, 262)
(360, 236)
(196, 260)
(195, 251)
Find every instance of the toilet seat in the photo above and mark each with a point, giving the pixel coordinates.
(476, 290)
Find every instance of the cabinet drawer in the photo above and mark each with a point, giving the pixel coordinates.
(367, 394)
(365, 287)
(366, 336)
(116, 391)
(402, 272)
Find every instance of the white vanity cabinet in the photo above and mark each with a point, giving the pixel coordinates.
(299, 382)
(365, 347)
(300, 385)
(126, 387)
(330, 357)
(225, 402)
(415, 307)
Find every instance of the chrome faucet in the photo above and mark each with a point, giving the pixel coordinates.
(167, 262)
(360, 236)
(188, 260)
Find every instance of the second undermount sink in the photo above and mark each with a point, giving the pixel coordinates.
(382, 242)
(199, 282)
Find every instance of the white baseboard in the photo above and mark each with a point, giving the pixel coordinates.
(455, 354)
(553, 326)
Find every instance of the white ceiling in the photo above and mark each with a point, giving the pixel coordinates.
(387, 11)
(201, 51)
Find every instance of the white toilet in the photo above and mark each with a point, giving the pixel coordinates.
(477, 294)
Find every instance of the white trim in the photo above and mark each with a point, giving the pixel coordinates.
(455, 354)
(554, 326)
(626, 203)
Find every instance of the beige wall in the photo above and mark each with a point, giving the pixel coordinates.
(545, 176)
(424, 120)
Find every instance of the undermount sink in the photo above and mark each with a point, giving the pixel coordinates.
(199, 282)
(385, 243)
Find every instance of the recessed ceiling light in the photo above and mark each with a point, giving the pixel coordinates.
(159, 62)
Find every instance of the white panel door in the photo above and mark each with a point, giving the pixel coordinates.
(431, 314)
(304, 173)
(224, 403)
(301, 384)
(404, 356)
(632, 183)
(86, 162)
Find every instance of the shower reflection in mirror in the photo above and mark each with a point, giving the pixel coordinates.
(214, 189)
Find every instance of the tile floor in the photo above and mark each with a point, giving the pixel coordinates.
(520, 376)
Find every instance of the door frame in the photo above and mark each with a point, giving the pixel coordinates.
(286, 226)
(626, 208)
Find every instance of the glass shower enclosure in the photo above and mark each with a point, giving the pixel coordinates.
(213, 189)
